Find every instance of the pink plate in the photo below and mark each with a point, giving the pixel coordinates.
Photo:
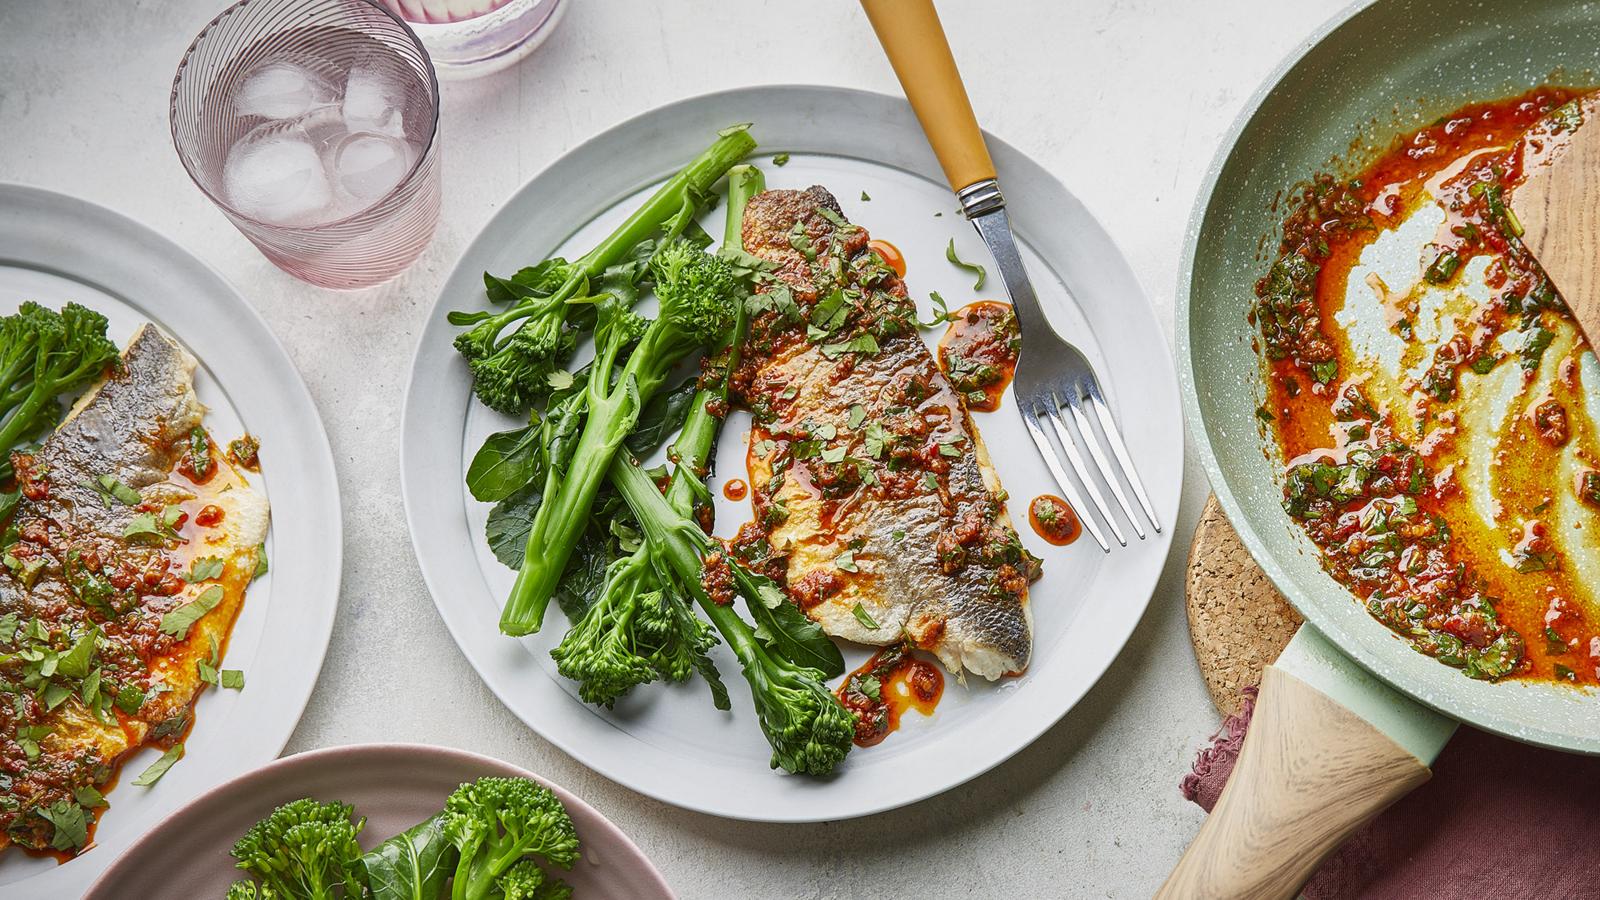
(394, 785)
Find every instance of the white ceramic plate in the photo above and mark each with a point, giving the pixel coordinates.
(394, 786)
(668, 741)
(55, 248)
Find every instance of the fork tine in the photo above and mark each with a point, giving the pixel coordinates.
(1070, 447)
(1109, 426)
(1031, 419)
(1107, 470)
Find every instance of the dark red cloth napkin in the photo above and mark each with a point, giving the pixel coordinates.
(1498, 820)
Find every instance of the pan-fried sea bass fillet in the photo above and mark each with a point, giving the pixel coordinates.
(121, 506)
(871, 485)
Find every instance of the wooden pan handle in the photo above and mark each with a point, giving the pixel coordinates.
(915, 43)
(1310, 773)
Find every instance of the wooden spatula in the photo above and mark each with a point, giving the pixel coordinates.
(1558, 204)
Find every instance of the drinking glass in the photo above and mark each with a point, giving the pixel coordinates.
(468, 38)
(313, 126)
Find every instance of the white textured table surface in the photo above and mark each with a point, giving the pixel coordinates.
(1125, 101)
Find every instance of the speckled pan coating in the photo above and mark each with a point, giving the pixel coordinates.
(1372, 73)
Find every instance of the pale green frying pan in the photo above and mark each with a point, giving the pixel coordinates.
(1312, 769)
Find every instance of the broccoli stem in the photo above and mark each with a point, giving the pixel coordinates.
(700, 427)
(665, 208)
(701, 299)
(800, 743)
(669, 202)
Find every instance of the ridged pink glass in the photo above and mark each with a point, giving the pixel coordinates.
(363, 248)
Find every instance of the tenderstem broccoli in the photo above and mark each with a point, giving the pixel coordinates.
(303, 850)
(43, 354)
(809, 729)
(513, 353)
(641, 628)
(496, 823)
(699, 295)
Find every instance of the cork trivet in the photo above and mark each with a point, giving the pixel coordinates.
(1238, 621)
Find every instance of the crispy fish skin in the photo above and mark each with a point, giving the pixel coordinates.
(920, 521)
(134, 427)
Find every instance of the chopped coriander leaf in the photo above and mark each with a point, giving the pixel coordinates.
(110, 489)
(1535, 341)
(861, 343)
(70, 821)
(200, 454)
(1565, 673)
(780, 159)
(233, 679)
(205, 568)
(177, 622)
(88, 797)
(846, 562)
(75, 662)
(835, 219)
(941, 312)
(858, 414)
(869, 685)
(979, 271)
(129, 699)
(931, 480)
(261, 561)
(801, 241)
(1443, 268)
(159, 767)
(877, 438)
(864, 197)
(865, 618)
(144, 525)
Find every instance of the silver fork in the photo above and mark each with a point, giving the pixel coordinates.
(1053, 381)
(1052, 375)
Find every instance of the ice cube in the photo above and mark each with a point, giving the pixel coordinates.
(367, 166)
(274, 175)
(280, 90)
(372, 102)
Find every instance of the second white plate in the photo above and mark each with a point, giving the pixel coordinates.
(55, 249)
(668, 741)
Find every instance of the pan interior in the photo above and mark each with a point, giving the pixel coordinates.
(1378, 72)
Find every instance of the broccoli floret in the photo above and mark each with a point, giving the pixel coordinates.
(43, 354)
(697, 290)
(809, 729)
(516, 373)
(526, 881)
(249, 890)
(304, 850)
(632, 635)
(496, 822)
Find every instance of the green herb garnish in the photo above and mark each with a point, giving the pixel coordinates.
(865, 618)
(159, 767)
(178, 621)
(950, 254)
